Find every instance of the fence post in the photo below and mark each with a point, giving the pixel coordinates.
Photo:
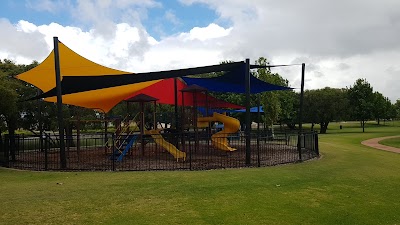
(316, 143)
(12, 147)
(6, 150)
(112, 152)
(190, 154)
(46, 146)
(299, 145)
(258, 150)
(2, 152)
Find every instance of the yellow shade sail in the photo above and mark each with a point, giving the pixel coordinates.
(72, 64)
(103, 99)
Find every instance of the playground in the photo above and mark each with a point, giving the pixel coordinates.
(350, 184)
(198, 155)
(203, 132)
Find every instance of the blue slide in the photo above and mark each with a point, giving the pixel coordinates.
(126, 149)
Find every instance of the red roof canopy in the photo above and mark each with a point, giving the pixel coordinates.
(164, 92)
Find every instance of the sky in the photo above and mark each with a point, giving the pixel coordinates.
(339, 41)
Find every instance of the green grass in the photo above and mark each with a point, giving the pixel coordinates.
(350, 184)
(394, 142)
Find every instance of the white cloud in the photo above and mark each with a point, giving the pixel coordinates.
(212, 31)
(325, 28)
(340, 41)
(362, 35)
(21, 45)
(131, 48)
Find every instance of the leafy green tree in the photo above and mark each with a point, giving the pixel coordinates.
(323, 106)
(278, 105)
(8, 110)
(393, 112)
(380, 108)
(11, 86)
(12, 91)
(389, 110)
(396, 107)
(25, 114)
(290, 103)
(361, 98)
(8, 106)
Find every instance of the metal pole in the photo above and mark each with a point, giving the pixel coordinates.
(142, 127)
(316, 143)
(78, 136)
(248, 121)
(105, 131)
(2, 157)
(154, 116)
(40, 124)
(303, 68)
(46, 156)
(176, 102)
(182, 125)
(258, 130)
(194, 112)
(113, 151)
(6, 147)
(63, 159)
(176, 124)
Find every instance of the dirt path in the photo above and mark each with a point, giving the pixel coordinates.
(374, 143)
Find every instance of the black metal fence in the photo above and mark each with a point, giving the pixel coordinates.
(167, 151)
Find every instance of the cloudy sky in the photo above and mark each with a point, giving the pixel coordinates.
(340, 41)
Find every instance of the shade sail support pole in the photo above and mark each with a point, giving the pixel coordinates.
(176, 103)
(248, 120)
(258, 130)
(63, 159)
(299, 139)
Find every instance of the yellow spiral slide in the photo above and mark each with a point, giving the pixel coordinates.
(220, 139)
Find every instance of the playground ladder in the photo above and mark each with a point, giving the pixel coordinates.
(124, 138)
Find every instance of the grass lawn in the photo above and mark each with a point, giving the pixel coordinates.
(394, 142)
(350, 184)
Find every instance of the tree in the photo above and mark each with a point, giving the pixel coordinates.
(27, 112)
(389, 110)
(361, 98)
(397, 108)
(9, 112)
(323, 106)
(8, 106)
(277, 105)
(380, 108)
(290, 103)
(9, 95)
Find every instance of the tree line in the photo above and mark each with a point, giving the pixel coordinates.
(355, 103)
(321, 106)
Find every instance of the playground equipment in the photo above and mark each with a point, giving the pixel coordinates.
(126, 146)
(158, 138)
(125, 138)
(220, 139)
